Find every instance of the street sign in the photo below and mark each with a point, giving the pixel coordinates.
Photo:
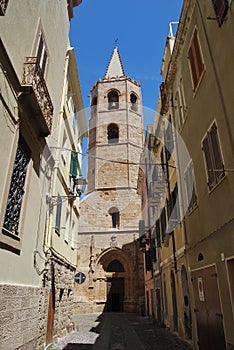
(80, 277)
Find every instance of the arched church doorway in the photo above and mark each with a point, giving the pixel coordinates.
(115, 287)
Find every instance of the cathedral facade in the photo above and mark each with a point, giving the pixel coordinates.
(108, 250)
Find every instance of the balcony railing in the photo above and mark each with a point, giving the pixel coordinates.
(3, 7)
(33, 77)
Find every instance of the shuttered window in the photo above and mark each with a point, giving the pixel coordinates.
(58, 214)
(158, 234)
(190, 188)
(41, 54)
(195, 61)
(213, 157)
(163, 223)
(220, 8)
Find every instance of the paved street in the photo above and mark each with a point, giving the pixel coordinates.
(120, 331)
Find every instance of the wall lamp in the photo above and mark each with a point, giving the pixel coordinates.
(78, 185)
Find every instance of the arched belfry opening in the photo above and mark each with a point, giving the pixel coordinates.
(113, 99)
(133, 102)
(113, 133)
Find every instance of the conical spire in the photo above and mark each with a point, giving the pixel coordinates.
(115, 66)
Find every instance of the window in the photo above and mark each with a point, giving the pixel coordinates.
(133, 102)
(213, 157)
(168, 140)
(42, 55)
(153, 250)
(180, 105)
(58, 214)
(114, 213)
(174, 207)
(220, 8)
(190, 188)
(148, 264)
(94, 104)
(113, 133)
(163, 223)
(195, 61)
(158, 233)
(16, 191)
(113, 100)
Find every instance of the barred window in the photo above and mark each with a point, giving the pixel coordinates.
(16, 191)
(195, 60)
(213, 157)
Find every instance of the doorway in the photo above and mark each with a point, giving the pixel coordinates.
(208, 309)
(174, 302)
(115, 294)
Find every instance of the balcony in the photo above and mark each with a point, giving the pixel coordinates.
(36, 94)
(3, 7)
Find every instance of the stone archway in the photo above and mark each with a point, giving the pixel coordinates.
(118, 269)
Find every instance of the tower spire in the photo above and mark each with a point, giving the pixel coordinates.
(115, 65)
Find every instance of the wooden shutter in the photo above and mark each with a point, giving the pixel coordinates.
(153, 250)
(189, 181)
(158, 234)
(195, 59)
(218, 163)
(163, 223)
(208, 158)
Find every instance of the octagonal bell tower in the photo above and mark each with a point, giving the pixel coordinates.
(115, 129)
(111, 210)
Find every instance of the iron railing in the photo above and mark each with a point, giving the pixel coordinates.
(33, 76)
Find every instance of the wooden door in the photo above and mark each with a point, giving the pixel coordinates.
(208, 309)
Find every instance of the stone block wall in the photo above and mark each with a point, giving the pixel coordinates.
(20, 316)
(64, 303)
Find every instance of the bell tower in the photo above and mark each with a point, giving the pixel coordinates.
(111, 209)
(115, 130)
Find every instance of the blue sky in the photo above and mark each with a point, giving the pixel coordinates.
(141, 29)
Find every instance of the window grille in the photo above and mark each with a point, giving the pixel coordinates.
(16, 191)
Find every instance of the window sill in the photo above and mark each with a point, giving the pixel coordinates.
(195, 89)
(211, 189)
(10, 241)
(192, 209)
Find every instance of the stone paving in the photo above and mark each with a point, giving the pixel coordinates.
(119, 331)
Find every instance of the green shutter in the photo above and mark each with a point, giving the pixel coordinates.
(74, 164)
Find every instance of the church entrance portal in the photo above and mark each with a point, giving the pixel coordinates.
(115, 294)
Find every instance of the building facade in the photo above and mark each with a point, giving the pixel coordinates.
(108, 252)
(33, 56)
(196, 96)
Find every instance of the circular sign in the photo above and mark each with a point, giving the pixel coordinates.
(80, 277)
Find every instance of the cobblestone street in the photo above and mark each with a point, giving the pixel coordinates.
(120, 331)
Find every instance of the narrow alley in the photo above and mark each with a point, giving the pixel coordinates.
(120, 331)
